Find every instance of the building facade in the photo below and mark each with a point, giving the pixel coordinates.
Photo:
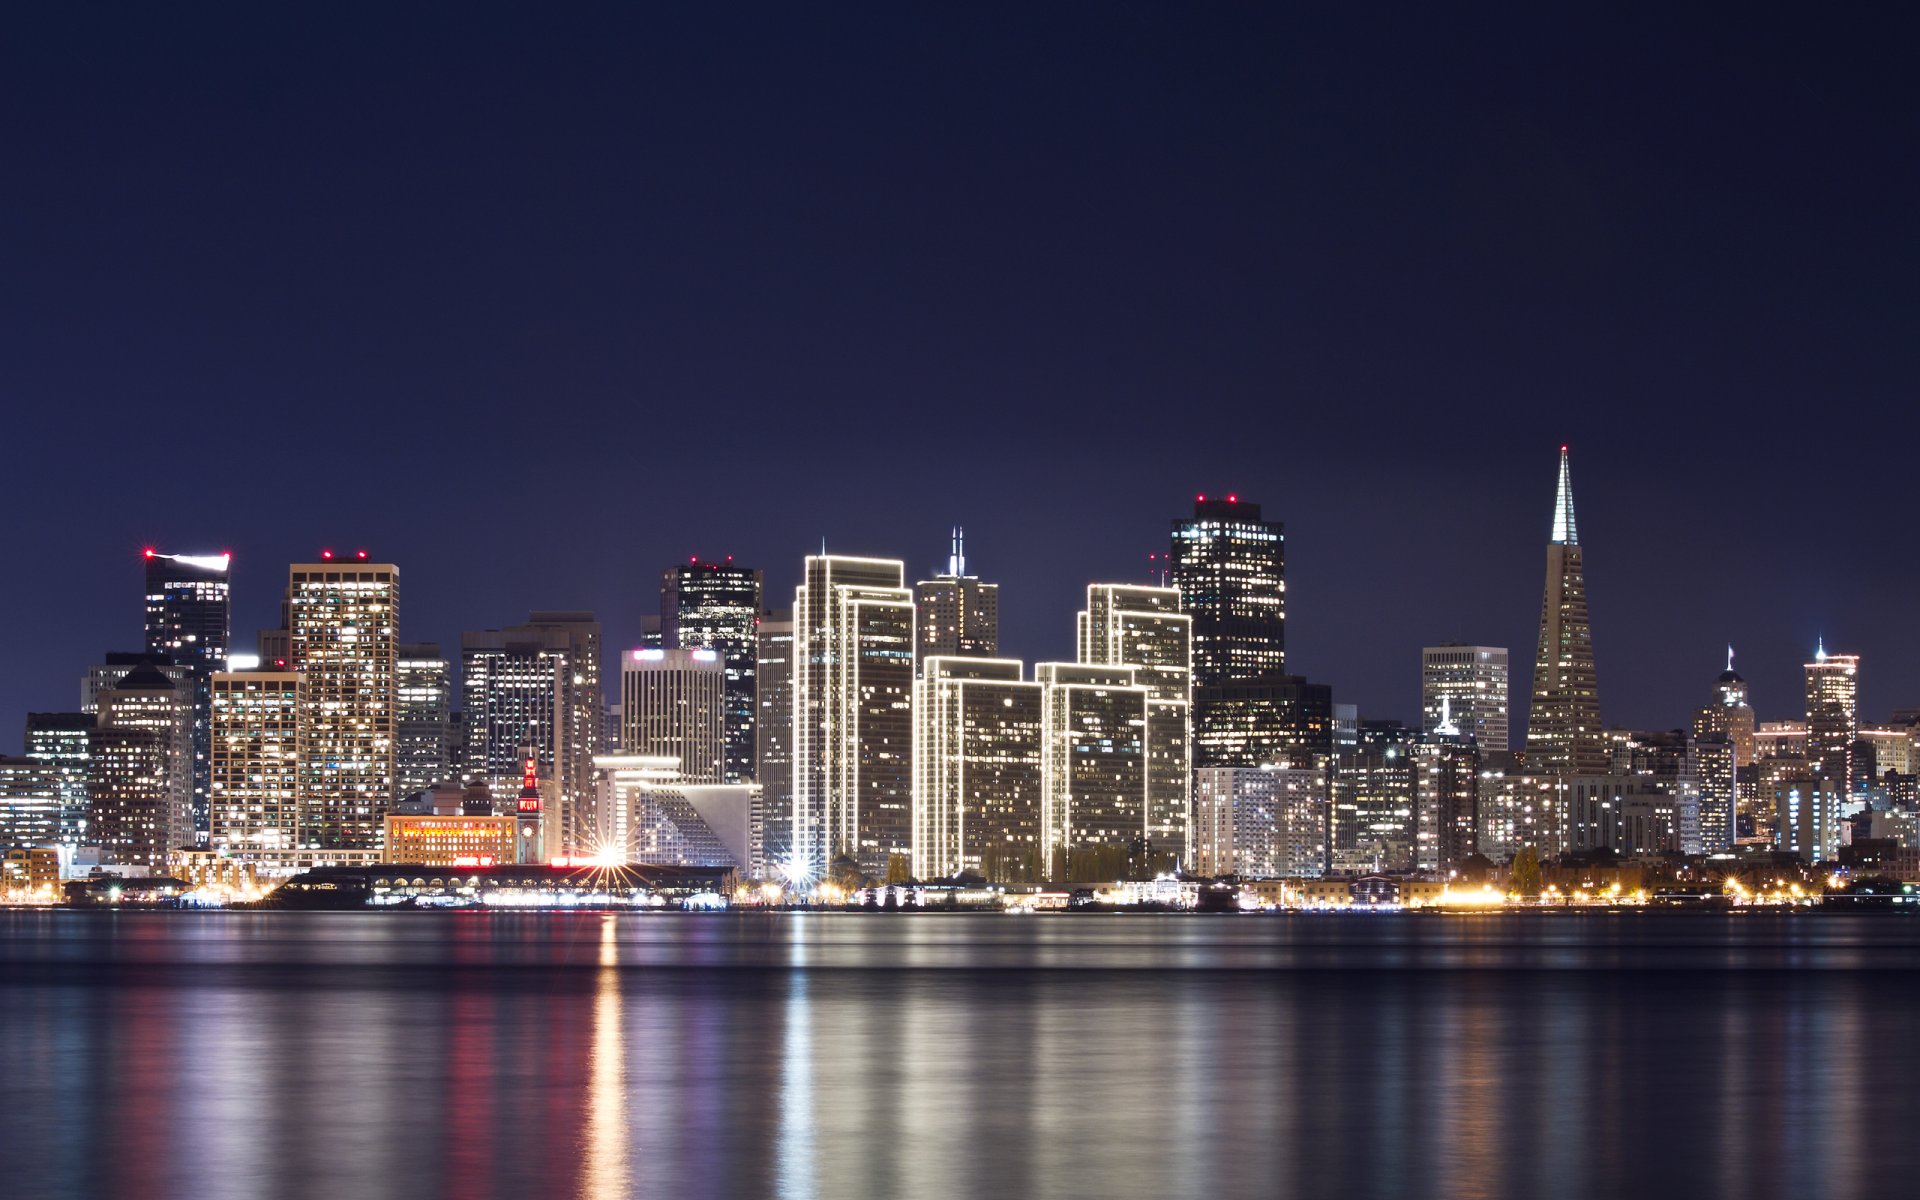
(1833, 716)
(423, 719)
(1096, 802)
(977, 770)
(1143, 628)
(1463, 693)
(773, 741)
(256, 769)
(58, 741)
(537, 686)
(140, 770)
(1229, 567)
(675, 703)
(1260, 823)
(1564, 733)
(343, 638)
(716, 606)
(853, 719)
(956, 614)
(189, 624)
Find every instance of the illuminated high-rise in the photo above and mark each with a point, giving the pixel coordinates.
(1463, 693)
(140, 769)
(1730, 713)
(959, 614)
(773, 739)
(674, 703)
(536, 685)
(1143, 627)
(256, 770)
(58, 741)
(1260, 822)
(189, 624)
(1833, 716)
(343, 638)
(1564, 734)
(1229, 567)
(716, 606)
(852, 713)
(423, 720)
(1094, 772)
(30, 807)
(977, 770)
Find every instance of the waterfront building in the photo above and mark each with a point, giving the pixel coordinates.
(648, 814)
(853, 719)
(140, 769)
(257, 812)
(342, 636)
(58, 741)
(1463, 693)
(674, 703)
(1143, 628)
(441, 826)
(715, 606)
(423, 718)
(30, 803)
(1564, 733)
(1260, 822)
(1094, 772)
(977, 770)
(188, 624)
(536, 684)
(773, 741)
(956, 614)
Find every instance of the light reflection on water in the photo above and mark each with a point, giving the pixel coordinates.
(853, 1055)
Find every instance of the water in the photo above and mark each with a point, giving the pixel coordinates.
(929, 1055)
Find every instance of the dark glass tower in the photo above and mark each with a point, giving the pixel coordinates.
(716, 606)
(1230, 567)
(188, 625)
(1564, 735)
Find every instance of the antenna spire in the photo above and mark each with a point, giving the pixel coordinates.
(1563, 527)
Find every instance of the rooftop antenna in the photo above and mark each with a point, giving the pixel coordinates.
(1729, 656)
(957, 560)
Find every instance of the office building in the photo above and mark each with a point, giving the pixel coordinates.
(257, 812)
(1807, 817)
(30, 807)
(1730, 713)
(1229, 568)
(1095, 811)
(977, 770)
(1463, 693)
(1447, 779)
(140, 769)
(423, 732)
(675, 703)
(1833, 716)
(115, 666)
(188, 624)
(1143, 627)
(1260, 823)
(1518, 807)
(58, 741)
(716, 607)
(1261, 721)
(1630, 814)
(647, 814)
(1717, 773)
(1564, 733)
(537, 685)
(343, 639)
(957, 614)
(853, 719)
(773, 741)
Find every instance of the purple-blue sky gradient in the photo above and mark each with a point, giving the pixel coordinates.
(536, 303)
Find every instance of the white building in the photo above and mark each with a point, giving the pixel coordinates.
(977, 770)
(673, 703)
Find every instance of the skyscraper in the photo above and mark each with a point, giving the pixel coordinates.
(852, 713)
(1094, 812)
(773, 739)
(423, 719)
(1267, 720)
(1143, 627)
(30, 808)
(256, 770)
(1564, 734)
(977, 770)
(674, 703)
(140, 769)
(958, 615)
(1260, 822)
(189, 624)
(1463, 692)
(1833, 716)
(536, 685)
(716, 606)
(343, 638)
(1229, 567)
(1730, 712)
(58, 741)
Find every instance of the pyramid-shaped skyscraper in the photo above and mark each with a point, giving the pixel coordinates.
(1564, 734)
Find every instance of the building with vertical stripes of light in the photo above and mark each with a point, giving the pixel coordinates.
(977, 770)
(256, 811)
(852, 713)
(1095, 776)
(343, 636)
(1143, 628)
(140, 769)
(673, 703)
(773, 740)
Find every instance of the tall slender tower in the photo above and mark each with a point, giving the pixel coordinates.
(1833, 715)
(189, 626)
(343, 617)
(1564, 735)
(716, 606)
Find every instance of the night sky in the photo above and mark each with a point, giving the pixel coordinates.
(534, 304)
